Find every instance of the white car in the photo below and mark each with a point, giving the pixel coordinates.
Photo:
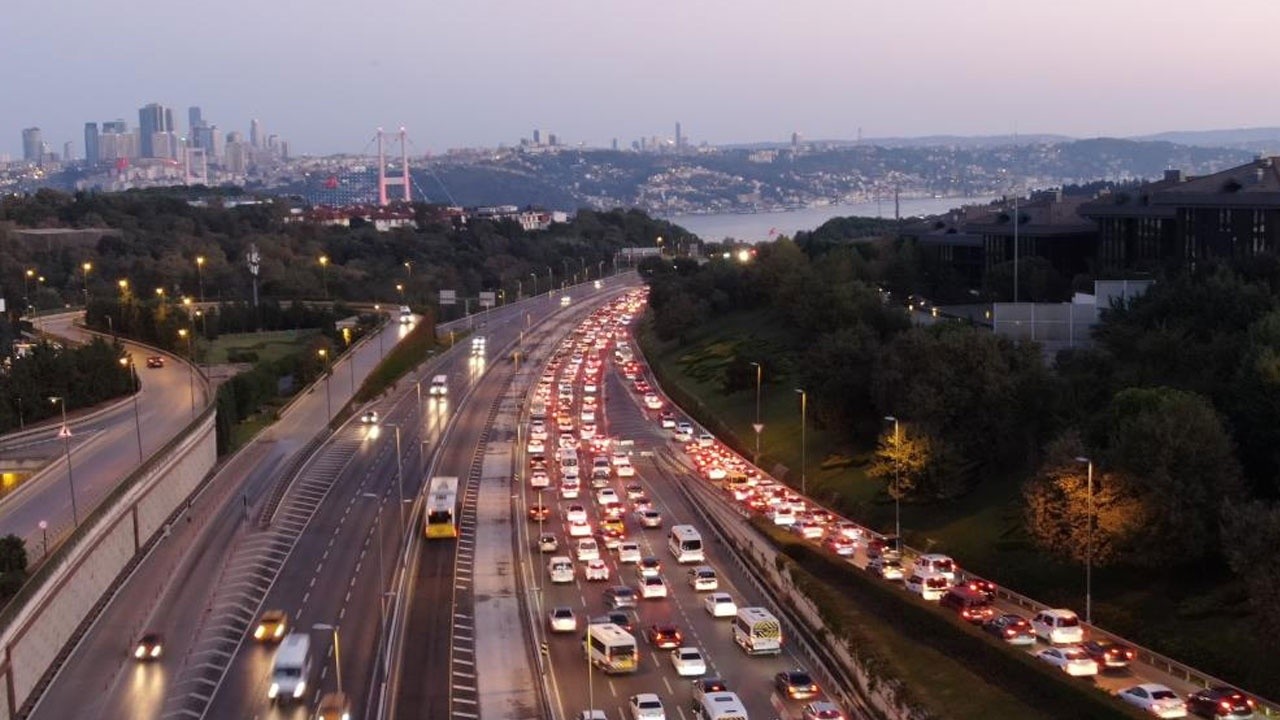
(597, 570)
(563, 620)
(587, 415)
(370, 417)
(1058, 627)
(684, 432)
(588, 549)
(620, 457)
(629, 552)
(706, 439)
(538, 430)
(539, 479)
(607, 496)
(536, 446)
(569, 490)
(1155, 699)
(568, 441)
(646, 706)
(580, 529)
(626, 470)
(548, 543)
(703, 578)
(1070, 659)
(652, 587)
(576, 514)
(719, 604)
(589, 387)
(651, 519)
(652, 401)
(688, 662)
(588, 431)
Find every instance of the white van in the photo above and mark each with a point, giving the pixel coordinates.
(440, 385)
(928, 584)
(1058, 627)
(560, 568)
(291, 668)
(685, 544)
(941, 564)
(757, 631)
(719, 706)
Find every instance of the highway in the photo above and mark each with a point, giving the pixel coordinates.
(576, 687)
(105, 448)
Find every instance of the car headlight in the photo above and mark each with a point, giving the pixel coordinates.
(140, 652)
(257, 634)
(279, 630)
(273, 691)
(155, 651)
(300, 688)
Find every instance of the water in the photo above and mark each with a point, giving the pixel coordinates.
(763, 226)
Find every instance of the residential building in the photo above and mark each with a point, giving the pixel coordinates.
(1047, 225)
(33, 145)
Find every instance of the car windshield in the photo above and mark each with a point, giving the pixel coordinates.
(1164, 695)
(1075, 654)
(799, 678)
(1068, 621)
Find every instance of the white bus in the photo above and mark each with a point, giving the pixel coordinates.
(611, 648)
(441, 519)
(757, 631)
(440, 385)
(719, 706)
(686, 544)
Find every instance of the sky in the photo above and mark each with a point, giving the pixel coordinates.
(324, 74)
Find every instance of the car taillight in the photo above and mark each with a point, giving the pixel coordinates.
(1010, 632)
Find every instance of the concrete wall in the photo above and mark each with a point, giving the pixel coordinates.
(84, 573)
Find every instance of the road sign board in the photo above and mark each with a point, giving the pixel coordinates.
(448, 297)
(488, 299)
(65, 432)
(758, 427)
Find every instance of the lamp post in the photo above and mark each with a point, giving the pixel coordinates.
(337, 656)
(382, 571)
(324, 274)
(408, 269)
(26, 284)
(191, 385)
(534, 287)
(44, 538)
(200, 275)
(897, 490)
(86, 267)
(328, 403)
(127, 361)
(399, 474)
(66, 440)
(804, 409)
(1088, 552)
(551, 283)
(758, 427)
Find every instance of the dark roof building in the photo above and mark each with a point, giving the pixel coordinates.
(1048, 226)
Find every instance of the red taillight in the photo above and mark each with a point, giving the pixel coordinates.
(1010, 632)
(1225, 705)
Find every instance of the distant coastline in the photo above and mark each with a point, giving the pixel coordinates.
(764, 225)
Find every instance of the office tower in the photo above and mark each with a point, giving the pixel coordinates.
(615, 144)
(679, 138)
(217, 146)
(32, 145)
(284, 149)
(115, 126)
(537, 136)
(154, 119)
(195, 119)
(91, 153)
(552, 139)
(67, 151)
(255, 133)
(237, 161)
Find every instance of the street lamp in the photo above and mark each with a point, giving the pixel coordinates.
(200, 275)
(191, 386)
(382, 571)
(400, 289)
(86, 267)
(66, 439)
(127, 361)
(324, 274)
(550, 281)
(804, 409)
(337, 656)
(328, 403)
(897, 490)
(1088, 553)
(534, 290)
(758, 427)
(408, 269)
(400, 467)
(26, 284)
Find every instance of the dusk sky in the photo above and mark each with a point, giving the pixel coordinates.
(325, 73)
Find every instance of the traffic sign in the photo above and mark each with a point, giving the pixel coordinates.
(758, 427)
(65, 432)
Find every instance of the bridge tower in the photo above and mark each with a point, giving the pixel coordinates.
(383, 180)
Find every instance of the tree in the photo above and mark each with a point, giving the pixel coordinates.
(13, 565)
(1250, 536)
(917, 466)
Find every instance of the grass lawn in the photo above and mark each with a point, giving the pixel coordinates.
(1200, 619)
(268, 345)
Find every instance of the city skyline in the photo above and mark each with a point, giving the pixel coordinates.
(746, 72)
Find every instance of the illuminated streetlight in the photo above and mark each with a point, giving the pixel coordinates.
(337, 657)
(127, 362)
(191, 387)
(758, 427)
(1088, 556)
(66, 439)
(897, 491)
(86, 267)
(328, 402)
(804, 409)
(324, 274)
(200, 275)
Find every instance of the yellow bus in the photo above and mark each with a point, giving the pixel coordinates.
(441, 516)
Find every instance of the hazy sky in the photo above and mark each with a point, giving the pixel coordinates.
(325, 73)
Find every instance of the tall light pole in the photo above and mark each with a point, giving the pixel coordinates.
(534, 290)
(382, 571)
(127, 361)
(758, 426)
(191, 386)
(551, 283)
(337, 656)
(324, 274)
(804, 410)
(200, 275)
(86, 267)
(26, 284)
(408, 269)
(1088, 551)
(400, 289)
(897, 489)
(400, 469)
(328, 402)
(66, 439)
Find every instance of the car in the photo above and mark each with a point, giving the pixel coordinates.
(667, 420)
(652, 401)
(580, 529)
(624, 619)
(703, 578)
(271, 626)
(619, 596)
(1109, 654)
(548, 543)
(887, 567)
(591, 715)
(879, 545)
(664, 636)
(1011, 628)
(1058, 627)
(535, 446)
(648, 567)
(795, 684)
(539, 512)
(155, 361)
(607, 496)
(619, 457)
(634, 491)
(986, 587)
(562, 619)
(706, 439)
(587, 549)
(683, 432)
(720, 604)
(1155, 699)
(576, 513)
(538, 430)
(1224, 703)
(333, 706)
(652, 587)
(597, 570)
(626, 470)
(841, 545)
(646, 706)
(149, 647)
(651, 519)
(629, 552)
(369, 417)
(641, 504)
(707, 684)
(822, 710)
(688, 661)
(1070, 659)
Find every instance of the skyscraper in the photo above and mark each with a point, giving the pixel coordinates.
(153, 119)
(255, 133)
(91, 152)
(679, 138)
(67, 151)
(537, 136)
(195, 119)
(32, 145)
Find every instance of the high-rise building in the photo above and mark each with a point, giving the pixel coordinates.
(91, 152)
(679, 138)
(154, 119)
(32, 145)
(255, 133)
(67, 151)
(115, 126)
(552, 139)
(537, 136)
(216, 147)
(195, 119)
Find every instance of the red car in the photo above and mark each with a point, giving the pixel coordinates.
(539, 512)
(155, 361)
(664, 636)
